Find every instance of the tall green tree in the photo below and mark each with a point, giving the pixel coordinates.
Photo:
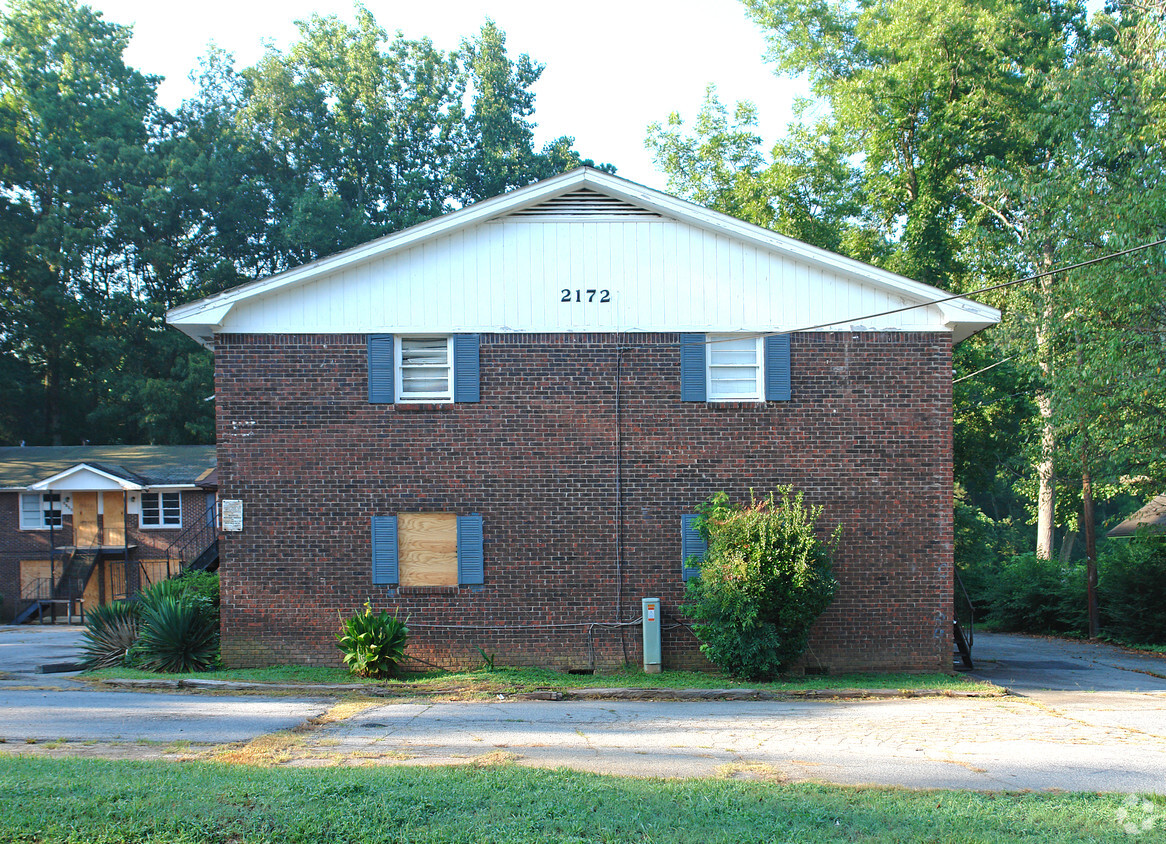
(74, 125)
(912, 93)
(112, 210)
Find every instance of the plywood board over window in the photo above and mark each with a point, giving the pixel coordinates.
(427, 550)
(36, 578)
(85, 530)
(113, 517)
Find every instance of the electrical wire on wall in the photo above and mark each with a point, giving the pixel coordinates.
(619, 503)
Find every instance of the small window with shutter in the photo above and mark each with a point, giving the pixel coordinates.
(733, 367)
(423, 369)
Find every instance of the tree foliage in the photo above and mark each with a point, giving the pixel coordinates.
(113, 210)
(764, 580)
(965, 144)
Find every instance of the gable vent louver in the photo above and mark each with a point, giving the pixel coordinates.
(585, 203)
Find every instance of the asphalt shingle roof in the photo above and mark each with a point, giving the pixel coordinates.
(154, 465)
(1151, 517)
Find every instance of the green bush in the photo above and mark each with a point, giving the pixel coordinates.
(110, 632)
(373, 643)
(1132, 590)
(174, 636)
(765, 579)
(1038, 596)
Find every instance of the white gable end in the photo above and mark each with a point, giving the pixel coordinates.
(548, 276)
(581, 259)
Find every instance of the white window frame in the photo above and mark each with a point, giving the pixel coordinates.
(161, 508)
(444, 397)
(712, 369)
(45, 501)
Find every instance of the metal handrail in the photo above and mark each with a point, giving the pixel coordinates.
(41, 589)
(969, 610)
(200, 537)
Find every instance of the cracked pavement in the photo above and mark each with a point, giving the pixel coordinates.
(1084, 717)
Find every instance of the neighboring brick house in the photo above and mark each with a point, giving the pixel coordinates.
(496, 423)
(97, 522)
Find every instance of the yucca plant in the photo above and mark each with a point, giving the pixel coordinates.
(373, 643)
(110, 632)
(174, 636)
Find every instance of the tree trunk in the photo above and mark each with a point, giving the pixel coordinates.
(1090, 537)
(1046, 469)
(1046, 472)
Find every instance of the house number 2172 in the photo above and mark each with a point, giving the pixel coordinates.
(584, 295)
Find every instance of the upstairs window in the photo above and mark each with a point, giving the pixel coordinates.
(424, 369)
(734, 368)
(162, 509)
(40, 511)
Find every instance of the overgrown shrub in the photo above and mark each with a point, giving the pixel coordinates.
(201, 589)
(373, 643)
(1038, 596)
(110, 632)
(1132, 590)
(765, 579)
(174, 636)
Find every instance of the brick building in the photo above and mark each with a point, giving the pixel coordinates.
(497, 422)
(84, 525)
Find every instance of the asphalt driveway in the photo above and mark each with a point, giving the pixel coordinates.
(1034, 665)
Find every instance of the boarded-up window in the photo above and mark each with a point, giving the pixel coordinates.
(427, 549)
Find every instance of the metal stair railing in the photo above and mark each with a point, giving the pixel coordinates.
(193, 543)
(963, 623)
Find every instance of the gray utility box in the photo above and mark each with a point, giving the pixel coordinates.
(651, 616)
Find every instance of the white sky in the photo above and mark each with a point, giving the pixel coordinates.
(612, 66)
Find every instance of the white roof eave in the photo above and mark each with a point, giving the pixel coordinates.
(115, 481)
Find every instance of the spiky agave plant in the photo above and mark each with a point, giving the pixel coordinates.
(174, 637)
(110, 632)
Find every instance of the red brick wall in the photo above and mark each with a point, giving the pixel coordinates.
(867, 435)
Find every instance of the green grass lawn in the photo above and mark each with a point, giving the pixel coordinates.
(73, 800)
(515, 680)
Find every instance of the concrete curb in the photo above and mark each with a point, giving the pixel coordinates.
(568, 694)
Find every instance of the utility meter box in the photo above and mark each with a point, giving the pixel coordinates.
(651, 616)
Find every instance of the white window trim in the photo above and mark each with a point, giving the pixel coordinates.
(398, 371)
(162, 524)
(758, 395)
(42, 524)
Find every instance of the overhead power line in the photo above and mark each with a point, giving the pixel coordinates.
(951, 298)
(985, 369)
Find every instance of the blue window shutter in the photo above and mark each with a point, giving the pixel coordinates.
(384, 550)
(471, 568)
(777, 386)
(692, 386)
(380, 369)
(692, 544)
(466, 370)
